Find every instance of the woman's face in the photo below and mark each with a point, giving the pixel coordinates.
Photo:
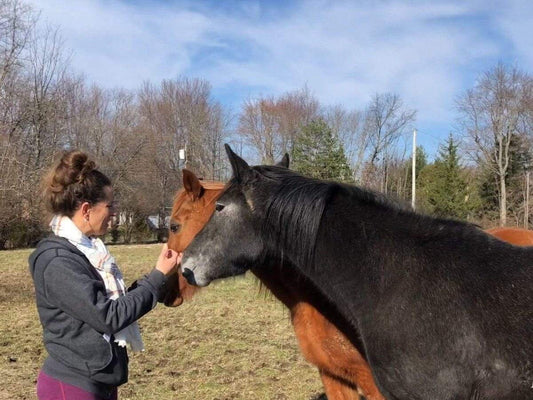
(100, 215)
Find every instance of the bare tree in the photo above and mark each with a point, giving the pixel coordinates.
(348, 127)
(490, 115)
(17, 21)
(258, 124)
(214, 141)
(270, 125)
(19, 175)
(16, 24)
(386, 120)
(295, 109)
(180, 114)
(98, 115)
(128, 162)
(45, 102)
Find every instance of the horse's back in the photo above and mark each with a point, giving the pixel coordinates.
(516, 236)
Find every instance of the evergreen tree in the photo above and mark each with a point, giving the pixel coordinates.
(317, 153)
(519, 161)
(444, 185)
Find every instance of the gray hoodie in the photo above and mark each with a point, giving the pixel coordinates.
(75, 313)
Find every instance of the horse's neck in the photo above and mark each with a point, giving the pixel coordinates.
(274, 278)
(357, 251)
(297, 293)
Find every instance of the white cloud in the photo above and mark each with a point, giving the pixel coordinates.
(115, 44)
(514, 22)
(345, 51)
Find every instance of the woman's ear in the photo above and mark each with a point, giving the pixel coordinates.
(85, 208)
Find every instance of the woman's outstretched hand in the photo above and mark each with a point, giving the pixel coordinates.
(168, 259)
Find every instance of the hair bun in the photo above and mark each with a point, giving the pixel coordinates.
(76, 165)
(86, 169)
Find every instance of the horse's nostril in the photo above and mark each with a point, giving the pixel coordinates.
(189, 275)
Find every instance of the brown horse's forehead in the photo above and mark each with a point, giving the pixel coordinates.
(184, 205)
(180, 203)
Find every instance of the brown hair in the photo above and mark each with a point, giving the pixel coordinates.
(72, 181)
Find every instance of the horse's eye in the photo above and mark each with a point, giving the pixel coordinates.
(219, 206)
(174, 228)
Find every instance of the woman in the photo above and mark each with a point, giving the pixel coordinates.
(86, 314)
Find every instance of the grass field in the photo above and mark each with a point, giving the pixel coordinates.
(230, 342)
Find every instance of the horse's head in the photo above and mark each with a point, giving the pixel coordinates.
(233, 240)
(192, 208)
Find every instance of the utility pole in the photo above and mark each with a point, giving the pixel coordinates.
(182, 155)
(526, 206)
(413, 173)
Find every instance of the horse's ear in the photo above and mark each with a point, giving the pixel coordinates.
(191, 184)
(284, 161)
(240, 168)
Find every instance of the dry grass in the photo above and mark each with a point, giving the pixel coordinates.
(228, 343)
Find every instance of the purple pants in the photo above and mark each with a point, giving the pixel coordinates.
(49, 388)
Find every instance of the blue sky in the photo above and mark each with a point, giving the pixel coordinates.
(428, 52)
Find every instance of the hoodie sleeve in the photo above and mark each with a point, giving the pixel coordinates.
(70, 288)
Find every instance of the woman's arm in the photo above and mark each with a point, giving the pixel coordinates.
(71, 289)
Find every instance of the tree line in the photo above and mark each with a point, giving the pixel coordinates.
(479, 174)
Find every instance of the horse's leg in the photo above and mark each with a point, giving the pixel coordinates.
(365, 382)
(352, 375)
(342, 368)
(321, 343)
(338, 390)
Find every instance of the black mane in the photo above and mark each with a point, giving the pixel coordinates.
(294, 210)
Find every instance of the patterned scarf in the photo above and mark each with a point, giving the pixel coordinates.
(104, 263)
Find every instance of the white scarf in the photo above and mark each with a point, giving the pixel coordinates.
(104, 263)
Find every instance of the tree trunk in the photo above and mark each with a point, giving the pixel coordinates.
(503, 201)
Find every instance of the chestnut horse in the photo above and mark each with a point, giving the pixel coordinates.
(343, 370)
(192, 208)
(516, 236)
